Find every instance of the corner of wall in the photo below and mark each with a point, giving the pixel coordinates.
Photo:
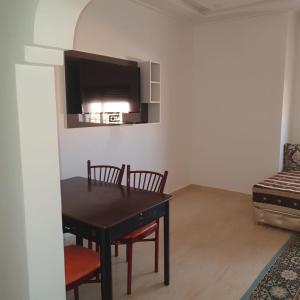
(295, 107)
(288, 83)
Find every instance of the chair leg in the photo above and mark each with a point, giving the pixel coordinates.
(98, 277)
(76, 293)
(156, 249)
(129, 273)
(116, 249)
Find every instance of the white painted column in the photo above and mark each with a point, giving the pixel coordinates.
(41, 182)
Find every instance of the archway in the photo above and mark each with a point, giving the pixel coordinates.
(54, 28)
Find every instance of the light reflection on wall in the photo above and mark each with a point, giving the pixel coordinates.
(106, 112)
(106, 107)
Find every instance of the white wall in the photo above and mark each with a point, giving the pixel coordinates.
(239, 84)
(288, 87)
(295, 134)
(227, 131)
(128, 30)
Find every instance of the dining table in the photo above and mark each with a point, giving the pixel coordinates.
(104, 212)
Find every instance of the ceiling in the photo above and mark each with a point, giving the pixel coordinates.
(206, 9)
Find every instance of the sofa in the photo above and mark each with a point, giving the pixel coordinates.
(276, 200)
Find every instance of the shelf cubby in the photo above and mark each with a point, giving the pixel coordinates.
(155, 71)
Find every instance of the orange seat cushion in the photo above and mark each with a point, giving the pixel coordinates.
(141, 232)
(79, 263)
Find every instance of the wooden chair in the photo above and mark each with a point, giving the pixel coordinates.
(104, 173)
(150, 181)
(81, 266)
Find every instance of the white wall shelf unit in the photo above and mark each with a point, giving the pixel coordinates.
(151, 89)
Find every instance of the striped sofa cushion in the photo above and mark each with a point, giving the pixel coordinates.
(280, 192)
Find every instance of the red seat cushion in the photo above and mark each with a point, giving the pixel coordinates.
(79, 263)
(141, 232)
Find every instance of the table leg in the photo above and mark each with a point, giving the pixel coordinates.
(105, 257)
(167, 246)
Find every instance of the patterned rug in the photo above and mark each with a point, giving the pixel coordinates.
(280, 279)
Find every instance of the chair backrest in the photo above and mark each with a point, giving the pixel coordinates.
(146, 180)
(105, 173)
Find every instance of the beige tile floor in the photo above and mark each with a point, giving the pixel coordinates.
(216, 251)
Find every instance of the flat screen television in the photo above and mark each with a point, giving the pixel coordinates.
(101, 84)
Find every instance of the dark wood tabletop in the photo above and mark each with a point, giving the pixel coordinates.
(102, 205)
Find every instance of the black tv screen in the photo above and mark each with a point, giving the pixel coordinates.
(97, 84)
